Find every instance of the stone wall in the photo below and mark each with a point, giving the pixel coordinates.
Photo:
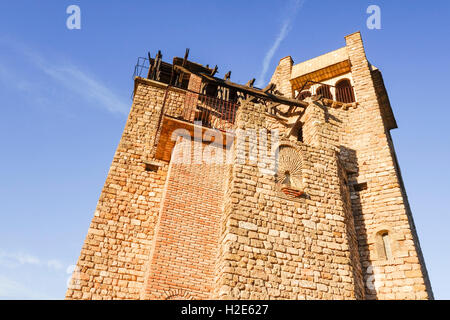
(282, 75)
(113, 258)
(382, 207)
(275, 248)
(360, 136)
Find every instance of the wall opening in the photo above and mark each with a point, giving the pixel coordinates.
(344, 91)
(210, 90)
(384, 245)
(300, 133)
(360, 186)
(387, 246)
(325, 92)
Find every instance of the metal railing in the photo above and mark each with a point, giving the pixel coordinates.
(339, 93)
(141, 67)
(163, 73)
(209, 111)
(201, 109)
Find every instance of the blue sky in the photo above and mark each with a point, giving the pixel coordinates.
(65, 95)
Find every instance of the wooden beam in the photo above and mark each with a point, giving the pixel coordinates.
(256, 92)
(194, 67)
(214, 71)
(186, 55)
(269, 88)
(149, 65)
(252, 91)
(250, 83)
(156, 66)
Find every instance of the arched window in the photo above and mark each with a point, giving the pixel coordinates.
(344, 91)
(325, 91)
(384, 246)
(387, 245)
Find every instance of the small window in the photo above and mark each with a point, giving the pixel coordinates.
(387, 246)
(151, 166)
(300, 133)
(384, 245)
(360, 186)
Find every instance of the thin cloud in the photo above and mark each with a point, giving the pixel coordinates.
(282, 34)
(15, 264)
(86, 86)
(72, 78)
(54, 264)
(11, 289)
(16, 259)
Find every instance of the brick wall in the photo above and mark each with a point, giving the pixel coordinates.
(186, 244)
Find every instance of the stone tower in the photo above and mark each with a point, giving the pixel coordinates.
(225, 191)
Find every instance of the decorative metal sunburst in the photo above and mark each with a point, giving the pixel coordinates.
(289, 168)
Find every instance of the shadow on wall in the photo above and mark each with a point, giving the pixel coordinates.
(349, 159)
(356, 229)
(327, 114)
